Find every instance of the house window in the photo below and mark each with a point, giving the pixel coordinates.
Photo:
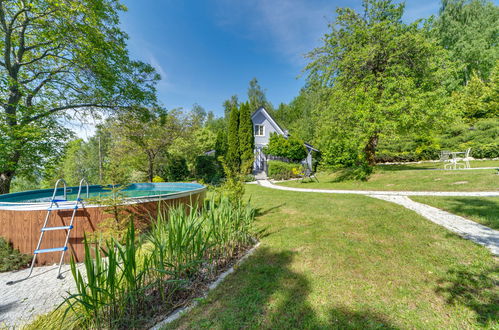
(259, 130)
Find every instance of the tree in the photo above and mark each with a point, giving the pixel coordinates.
(230, 104)
(378, 76)
(256, 97)
(246, 138)
(61, 58)
(221, 144)
(233, 160)
(149, 136)
(469, 29)
(297, 116)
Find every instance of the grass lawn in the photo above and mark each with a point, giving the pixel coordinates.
(484, 210)
(411, 177)
(347, 261)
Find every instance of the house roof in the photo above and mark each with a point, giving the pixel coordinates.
(278, 127)
(271, 119)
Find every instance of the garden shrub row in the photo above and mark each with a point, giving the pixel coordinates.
(481, 137)
(282, 171)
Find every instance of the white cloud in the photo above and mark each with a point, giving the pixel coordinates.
(292, 27)
(155, 63)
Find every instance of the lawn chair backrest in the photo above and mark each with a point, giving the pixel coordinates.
(468, 152)
(444, 155)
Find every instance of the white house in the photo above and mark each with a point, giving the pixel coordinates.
(263, 126)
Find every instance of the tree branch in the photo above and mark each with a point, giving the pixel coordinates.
(66, 107)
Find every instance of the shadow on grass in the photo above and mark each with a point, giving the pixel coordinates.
(474, 288)
(266, 293)
(261, 212)
(487, 210)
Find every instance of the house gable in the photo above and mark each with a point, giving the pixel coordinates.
(263, 118)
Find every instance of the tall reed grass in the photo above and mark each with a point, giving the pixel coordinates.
(123, 285)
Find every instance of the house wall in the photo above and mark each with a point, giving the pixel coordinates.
(261, 119)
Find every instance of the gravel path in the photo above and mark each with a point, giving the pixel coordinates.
(465, 228)
(21, 302)
(268, 184)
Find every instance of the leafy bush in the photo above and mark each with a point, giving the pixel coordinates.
(482, 138)
(11, 259)
(282, 171)
(174, 169)
(208, 169)
(290, 148)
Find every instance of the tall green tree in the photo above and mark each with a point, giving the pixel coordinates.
(221, 144)
(246, 138)
(469, 29)
(148, 137)
(61, 58)
(377, 76)
(230, 104)
(233, 159)
(257, 97)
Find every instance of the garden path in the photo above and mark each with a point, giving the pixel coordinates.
(465, 228)
(21, 302)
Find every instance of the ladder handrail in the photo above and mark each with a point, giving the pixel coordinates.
(75, 208)
(49, 210)
(79, 189)
(55, 189)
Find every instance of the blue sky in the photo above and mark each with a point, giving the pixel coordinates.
(208, 50)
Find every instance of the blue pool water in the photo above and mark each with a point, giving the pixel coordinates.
(135, 190)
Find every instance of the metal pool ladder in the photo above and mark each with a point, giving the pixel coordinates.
(54, 206)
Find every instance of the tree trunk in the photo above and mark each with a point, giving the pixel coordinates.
(151, 167)
(370, 149)
(5, 180)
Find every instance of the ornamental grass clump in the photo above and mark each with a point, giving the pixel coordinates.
(126, 285)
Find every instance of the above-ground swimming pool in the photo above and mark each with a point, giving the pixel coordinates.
(22, 214)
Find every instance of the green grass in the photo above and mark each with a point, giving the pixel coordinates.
(410, 177)
(484, 210)
(345, 261)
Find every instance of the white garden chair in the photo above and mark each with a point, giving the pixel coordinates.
(448, 161)
(465, 158)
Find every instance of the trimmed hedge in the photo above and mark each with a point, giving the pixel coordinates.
(282, 171)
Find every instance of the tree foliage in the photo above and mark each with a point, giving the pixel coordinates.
(377, 76)
(57, 56)
(469, 29)
(148, 136)
(233, 159)
(246, 138)
(257, 97)
(291, 148)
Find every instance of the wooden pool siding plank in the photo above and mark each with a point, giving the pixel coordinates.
(22, 228)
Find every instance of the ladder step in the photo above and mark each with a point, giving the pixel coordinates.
(59, 200)
(57, 228)
(63, 208)
(58, 249)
